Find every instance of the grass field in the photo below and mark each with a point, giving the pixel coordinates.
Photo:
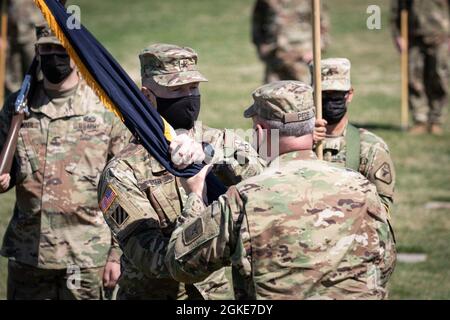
(220, 31)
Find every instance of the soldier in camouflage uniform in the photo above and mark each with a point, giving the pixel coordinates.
(302, 229)
(23, 16)
(282, 34)
(429, 47)
(63, 146)
(344, 144)
(141, 200)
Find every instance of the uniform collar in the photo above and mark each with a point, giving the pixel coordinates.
(333, 142)
(65, 104)
(338, 136)
(296, 155)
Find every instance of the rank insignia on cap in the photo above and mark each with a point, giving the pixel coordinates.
(193, 231)
(108, 199)
(384, 173)
(184, 64)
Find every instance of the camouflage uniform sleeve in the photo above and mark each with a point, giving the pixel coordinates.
(132, 220)
(209, 241)
(237, 160)
(5, 118)
(380, 171)
(120, 136)
(114, 252)
(6, 115)
(262, 21)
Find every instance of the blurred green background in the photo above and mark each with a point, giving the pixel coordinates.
(219, 30)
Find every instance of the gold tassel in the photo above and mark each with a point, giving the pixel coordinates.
(72, 53)
(104, 98)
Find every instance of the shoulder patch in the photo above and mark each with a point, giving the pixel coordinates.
(119, 216)
(108, 198)
(193, 231)
(384, 173)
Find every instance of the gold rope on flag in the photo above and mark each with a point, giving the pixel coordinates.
(92, 83)
(53, 24)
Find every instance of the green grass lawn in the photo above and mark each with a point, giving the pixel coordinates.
(220, 32)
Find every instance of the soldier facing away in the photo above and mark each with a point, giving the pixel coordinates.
(344, 144)
(23, 16)
(141, 200)
(429, 56)
(282, 34)
(302, 229)
(57, 242)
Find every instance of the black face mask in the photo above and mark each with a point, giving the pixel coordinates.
(334, 109)
(56, 67)
(181, 113)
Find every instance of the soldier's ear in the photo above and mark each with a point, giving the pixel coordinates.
(259, 133)
(149, 95)
(350, 95)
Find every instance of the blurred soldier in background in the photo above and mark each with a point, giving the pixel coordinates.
(354, 148)
(282, 34)
(429, 47)
(302, 229)
(142, 201)
(23, 16)
(57, 242)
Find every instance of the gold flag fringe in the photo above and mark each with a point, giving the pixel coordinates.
(53, 24)
(92, 83)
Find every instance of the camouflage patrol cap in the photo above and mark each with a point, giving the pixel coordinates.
(336, 74)
(170, 65)
(286, 101)
(45, 35)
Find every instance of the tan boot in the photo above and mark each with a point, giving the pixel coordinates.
(418, 128)
(436, 129)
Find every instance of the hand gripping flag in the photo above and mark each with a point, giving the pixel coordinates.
(118, 92)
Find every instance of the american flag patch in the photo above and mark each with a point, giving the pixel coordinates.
(107, 199)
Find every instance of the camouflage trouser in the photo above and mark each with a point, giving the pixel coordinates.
(143, 288)
(134, 285)
(29, 283)
(428, 81)
(277, 69)
(20, 54)
(218, 285)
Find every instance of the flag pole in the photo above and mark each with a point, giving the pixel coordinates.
(317, 68)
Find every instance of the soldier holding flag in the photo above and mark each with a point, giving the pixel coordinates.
(57, 243)
(354, 148)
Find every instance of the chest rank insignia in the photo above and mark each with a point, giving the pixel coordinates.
(193, 231)
(384, 173)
